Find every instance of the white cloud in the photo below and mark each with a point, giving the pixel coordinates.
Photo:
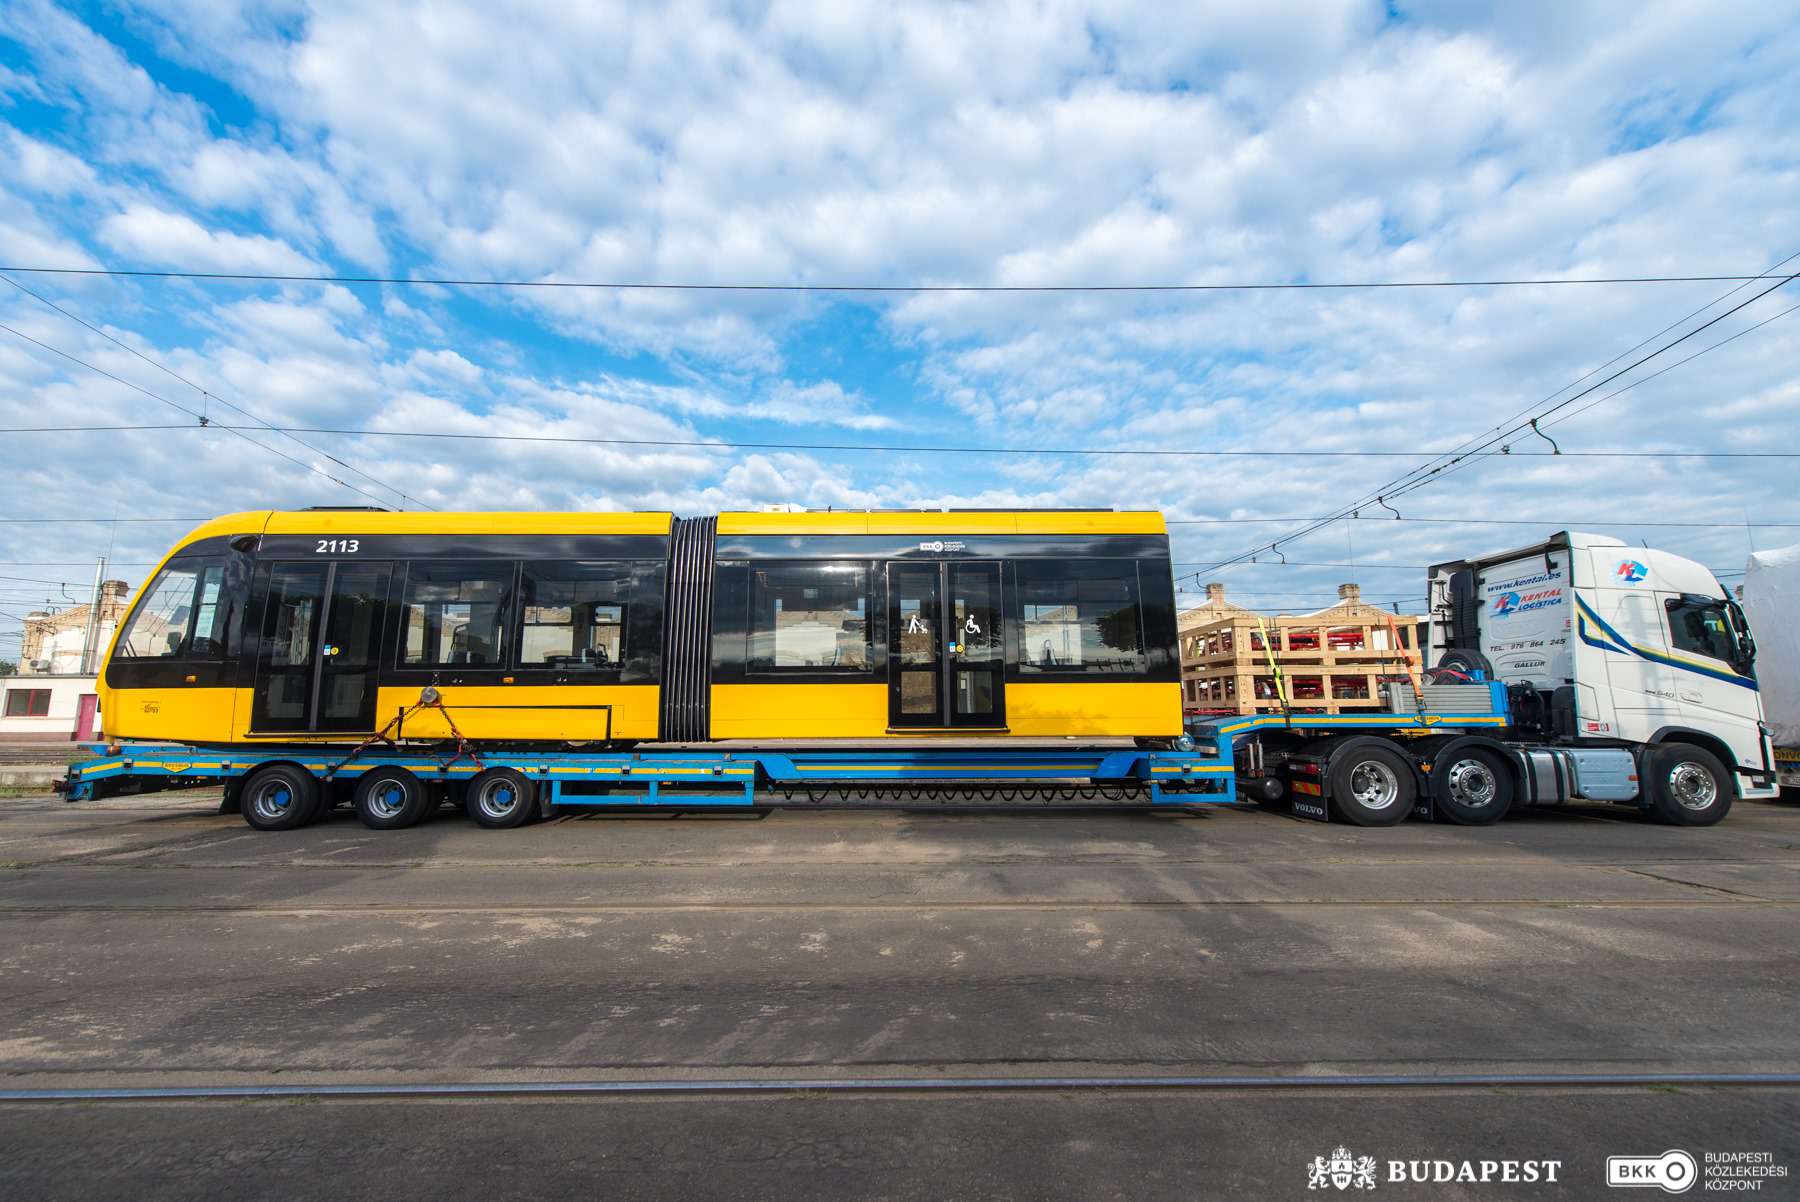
(891, 143)
(151, 235)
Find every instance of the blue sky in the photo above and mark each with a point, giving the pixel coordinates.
(896, 143)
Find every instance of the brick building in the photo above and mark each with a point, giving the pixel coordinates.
(1333, 660)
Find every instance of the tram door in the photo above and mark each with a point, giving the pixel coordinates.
(319, 657)
(947, 661)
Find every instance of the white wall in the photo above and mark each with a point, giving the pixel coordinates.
(65, 702)
(63, 649)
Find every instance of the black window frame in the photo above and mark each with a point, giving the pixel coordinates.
(1024, 668)
(505, 570)
(224, 613)
(1676, 607)
(640, 620)
(753, 591)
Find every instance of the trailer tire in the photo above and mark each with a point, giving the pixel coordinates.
(1472, 786)
(280, 797)
(388, 799)
(1688, 786)
(501, 799)
(1371, 785)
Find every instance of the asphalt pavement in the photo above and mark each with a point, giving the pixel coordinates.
(153, 942)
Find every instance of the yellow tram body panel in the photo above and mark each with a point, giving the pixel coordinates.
(363, 522)
(800, 711)
(1125, 708)
(529, 711)
(177, 714)
(1094, 521)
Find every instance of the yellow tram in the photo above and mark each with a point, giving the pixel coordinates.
(325, 626)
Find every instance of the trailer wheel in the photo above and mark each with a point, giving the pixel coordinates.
(501, 798)
(280, 797)
(1471, 787)
(1688, 786)
(1372, 785)
(388, 799)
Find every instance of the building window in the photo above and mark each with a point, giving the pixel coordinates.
(28, 703)
(1701, 629)
(573, 616)
(181, 615)
(1079, 617)
(455, 615)
(809, 617)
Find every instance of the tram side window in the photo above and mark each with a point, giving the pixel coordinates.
(573, 616)
(1079, 617)
(455, 615)
(809, 617)
(182, 615)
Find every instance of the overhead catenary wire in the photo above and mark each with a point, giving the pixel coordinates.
(205, 392)
(1411, 481)
(1475, 457)
(200, 417)
(900, 448)
(423, 281)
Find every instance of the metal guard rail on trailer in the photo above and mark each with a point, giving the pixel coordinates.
(685, 777)
(1497, 717)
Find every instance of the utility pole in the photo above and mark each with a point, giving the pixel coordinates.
(92, 635)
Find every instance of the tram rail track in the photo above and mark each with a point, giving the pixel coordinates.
(1403, 1082)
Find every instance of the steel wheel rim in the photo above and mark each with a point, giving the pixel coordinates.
(1374, 785)
(273, 800)
(1692, 786)
(387, 799)
(498, 798)
(1471, 783)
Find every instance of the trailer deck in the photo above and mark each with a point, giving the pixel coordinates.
(738, 775)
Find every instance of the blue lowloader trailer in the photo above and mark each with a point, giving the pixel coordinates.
(1446, 752)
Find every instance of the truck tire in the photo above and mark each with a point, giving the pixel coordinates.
(1472, 786)
(1688, 786)
(388, 799)
(1371, 785)
(280, 797)
(1459, 664)
(501, 799)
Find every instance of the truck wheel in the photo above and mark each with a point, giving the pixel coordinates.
(1472, 787)
(501, 798)
(1688, 786)
(390, 798)
(280, 797)
(1371, 785)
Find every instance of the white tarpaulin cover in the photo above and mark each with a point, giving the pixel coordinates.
(1772, 603)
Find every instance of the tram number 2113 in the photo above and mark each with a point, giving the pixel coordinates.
(337, 546)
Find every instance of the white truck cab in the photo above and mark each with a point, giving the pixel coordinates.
(1609, 648)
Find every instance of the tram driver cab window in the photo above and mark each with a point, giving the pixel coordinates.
(455, 615)
(182, 615)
